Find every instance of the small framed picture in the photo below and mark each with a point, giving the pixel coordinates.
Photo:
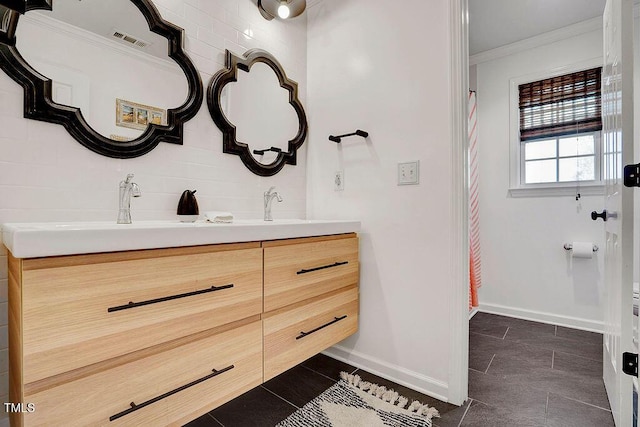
(156, 118)
(143, 117)
(138, 116)
(127, 114)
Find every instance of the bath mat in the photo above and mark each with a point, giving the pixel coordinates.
(352, 402)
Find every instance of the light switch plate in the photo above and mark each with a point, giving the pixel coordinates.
(409, 173)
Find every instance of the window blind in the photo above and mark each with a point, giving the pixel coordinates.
(561, 105)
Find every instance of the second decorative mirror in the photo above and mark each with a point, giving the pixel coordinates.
(258, 111)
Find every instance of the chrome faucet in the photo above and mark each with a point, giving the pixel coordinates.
(127, 189)
(268, 198)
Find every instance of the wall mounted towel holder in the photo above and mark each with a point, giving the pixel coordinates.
(337, 139)
(569, 246)
(274, 149)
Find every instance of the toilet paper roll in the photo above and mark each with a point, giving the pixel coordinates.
(582, 250)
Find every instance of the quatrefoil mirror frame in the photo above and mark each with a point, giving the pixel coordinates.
(39, 104)
(230, 143)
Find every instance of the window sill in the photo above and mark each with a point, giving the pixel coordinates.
(555, 191)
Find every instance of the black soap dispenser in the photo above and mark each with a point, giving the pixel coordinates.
(188, 206)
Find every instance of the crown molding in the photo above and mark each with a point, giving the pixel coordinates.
(537, 41)
(66, 29)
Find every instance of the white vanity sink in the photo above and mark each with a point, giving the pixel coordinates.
(29, 240)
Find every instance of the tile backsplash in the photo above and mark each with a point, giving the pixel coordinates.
(45, 175)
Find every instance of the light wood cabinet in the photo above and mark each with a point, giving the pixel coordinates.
(298, 269)
(177, 332)
(214, 369)
(295, 334)
(79, 314)
(310, 298)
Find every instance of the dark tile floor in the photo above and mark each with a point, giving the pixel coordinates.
(275, 400)
(521, 374)
(524, 373)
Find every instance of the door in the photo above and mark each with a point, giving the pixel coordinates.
(617, 131)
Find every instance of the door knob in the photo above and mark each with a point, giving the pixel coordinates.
(595, 215)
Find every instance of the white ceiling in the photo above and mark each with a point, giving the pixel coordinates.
(492, 23)
(495, 23)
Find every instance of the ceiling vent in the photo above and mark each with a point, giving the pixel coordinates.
(121, 35)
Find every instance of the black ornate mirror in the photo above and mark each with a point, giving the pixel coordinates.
(258, 111)
(113, 73)
(19, 6)
(9, 10)
(8, 21)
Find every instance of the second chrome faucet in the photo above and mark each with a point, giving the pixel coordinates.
(269, 195)
(127, 190)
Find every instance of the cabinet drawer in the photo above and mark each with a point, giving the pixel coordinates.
(293, 335)
(298, 271)
(161, 380)
(78, 315)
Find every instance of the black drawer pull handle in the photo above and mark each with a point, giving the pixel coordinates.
(135, 407)
(335, 264)
(169, 298)
(335, 320)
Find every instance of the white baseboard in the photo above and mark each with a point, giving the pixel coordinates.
(473, 312)
(539, 316)
(414, 380)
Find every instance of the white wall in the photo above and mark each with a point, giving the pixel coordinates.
(525, 270)
(473, 77)
(45, 175)
(386, 71)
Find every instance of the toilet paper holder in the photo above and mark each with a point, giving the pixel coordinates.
(569, 246)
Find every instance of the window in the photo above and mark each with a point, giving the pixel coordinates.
(558, 131)
(562, 159)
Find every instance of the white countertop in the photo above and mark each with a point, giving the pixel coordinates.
(31, 240)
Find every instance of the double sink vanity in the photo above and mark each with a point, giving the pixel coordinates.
(157, 323)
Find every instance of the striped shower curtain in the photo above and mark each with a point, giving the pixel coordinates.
(474, 213)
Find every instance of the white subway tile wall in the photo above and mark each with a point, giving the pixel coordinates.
(45, 175)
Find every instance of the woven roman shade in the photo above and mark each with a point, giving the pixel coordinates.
(561, 105)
